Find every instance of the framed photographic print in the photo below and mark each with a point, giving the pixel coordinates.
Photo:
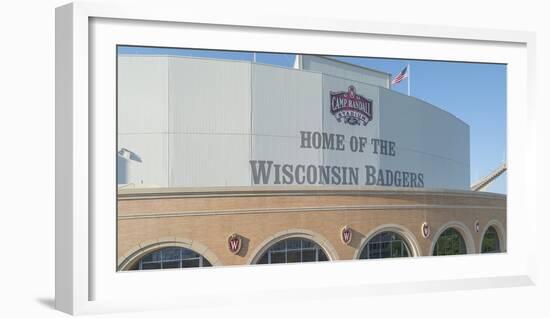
(238, 156)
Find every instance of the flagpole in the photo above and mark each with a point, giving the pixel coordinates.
(409, 79)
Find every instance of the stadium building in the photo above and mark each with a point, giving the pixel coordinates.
(233, 162)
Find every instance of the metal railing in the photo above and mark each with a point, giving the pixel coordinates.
(486, 181)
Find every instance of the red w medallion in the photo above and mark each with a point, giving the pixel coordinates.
(234, 243)
(425, 230)
(346, 234)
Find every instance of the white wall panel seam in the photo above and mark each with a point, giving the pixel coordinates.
(380, 123)
(251, 129)
(169, 123)
(322, 119)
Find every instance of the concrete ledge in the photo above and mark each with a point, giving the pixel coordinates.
(152, 193)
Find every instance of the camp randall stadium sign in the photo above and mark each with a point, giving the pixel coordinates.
(348, 108)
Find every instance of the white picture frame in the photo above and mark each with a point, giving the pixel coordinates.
(85, 33)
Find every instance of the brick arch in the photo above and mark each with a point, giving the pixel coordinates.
(137, 252)
(317, 238)
(500, 231)
(396, 228)
(462, 229)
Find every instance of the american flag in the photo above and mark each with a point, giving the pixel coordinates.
(401, 76)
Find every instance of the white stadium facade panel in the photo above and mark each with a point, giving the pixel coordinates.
(194, 122)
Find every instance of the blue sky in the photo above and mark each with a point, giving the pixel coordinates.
(474, 92)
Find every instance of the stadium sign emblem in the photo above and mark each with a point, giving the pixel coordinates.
(346, 234)
(425, 230)
(354, 109)
(234, 242)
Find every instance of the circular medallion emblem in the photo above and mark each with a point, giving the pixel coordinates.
(476, 225)
(346, 234)
(425, 230)
(234, 242)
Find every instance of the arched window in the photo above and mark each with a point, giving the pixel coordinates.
(293, 250)
(385, 245)
(450, 242)
(171, 257)
(490, 242)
